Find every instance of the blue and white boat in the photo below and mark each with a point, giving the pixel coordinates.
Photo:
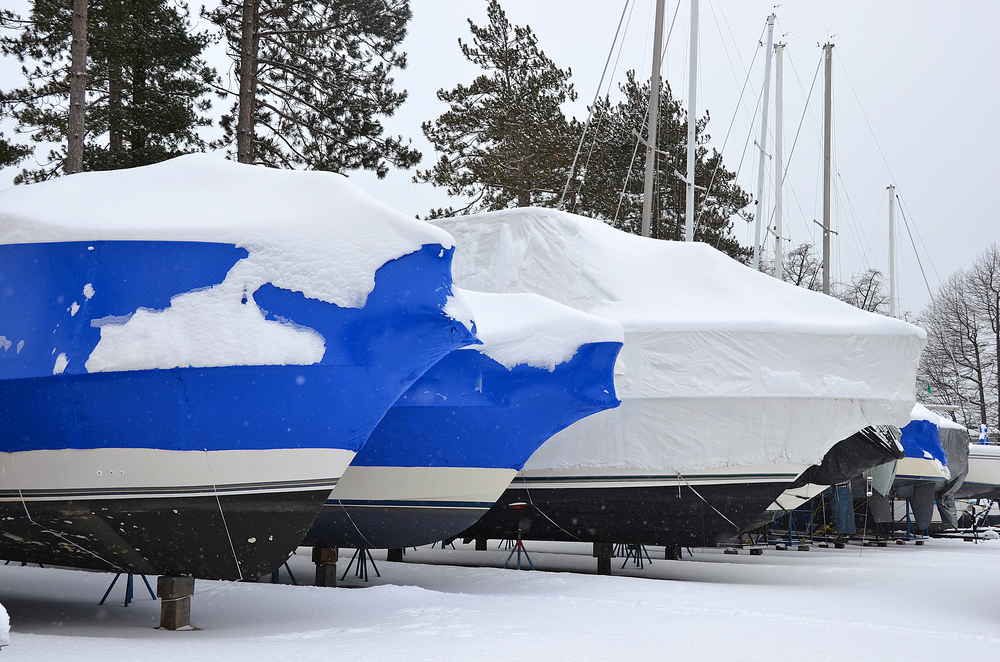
(450, 446)
(925, 460)
(191, 353)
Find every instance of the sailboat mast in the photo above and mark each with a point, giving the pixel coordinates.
(763, 143)
(654, 107)
(827, 149)
(779, 166)
(892, 250)
(692, 145)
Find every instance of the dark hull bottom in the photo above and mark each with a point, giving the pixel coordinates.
(978, 491)
(184, 536)
(635, 515)
(388, 527)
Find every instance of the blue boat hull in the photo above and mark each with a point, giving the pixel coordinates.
(243, 422)
(450, 446)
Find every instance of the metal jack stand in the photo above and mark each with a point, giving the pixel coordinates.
(519, 548)
(129, 592)
(636, 552)
(274, 575)
(363, 557)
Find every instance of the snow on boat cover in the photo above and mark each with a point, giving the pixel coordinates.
(190, 348)
(451, 444)
(721, 367)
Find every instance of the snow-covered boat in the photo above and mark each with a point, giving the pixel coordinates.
(731, 382)
(924, 458)
(450, 446)
(933, 470)
(192, 352)
(983, 479)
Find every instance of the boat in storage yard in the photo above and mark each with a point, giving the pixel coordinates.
(446, 451)
(983, 479)
(934, 468)
(192, 352)
(731, 382)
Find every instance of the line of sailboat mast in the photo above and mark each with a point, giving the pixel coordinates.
(827, 169)
(692, 124)
(779, 165)
(763, 143)
(654, 106)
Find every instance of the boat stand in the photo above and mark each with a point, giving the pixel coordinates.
(910, 531)
(636, 552)
(519, 548)
(129, 591)
(274, 575)
(363, 557)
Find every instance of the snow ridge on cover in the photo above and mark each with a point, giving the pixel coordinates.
(526, 329)
(645, 284)
(922, 413)
(721, 367)
(309, 232)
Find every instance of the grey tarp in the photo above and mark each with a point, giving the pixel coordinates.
(956, 444)
(842, 505)
(881, 509)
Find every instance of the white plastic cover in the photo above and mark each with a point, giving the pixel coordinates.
(309, 232)
(526, 329)
(722, 366)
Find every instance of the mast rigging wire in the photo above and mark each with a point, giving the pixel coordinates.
(906, 224)
(590, 116)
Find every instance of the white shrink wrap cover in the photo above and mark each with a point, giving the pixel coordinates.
(722, 366)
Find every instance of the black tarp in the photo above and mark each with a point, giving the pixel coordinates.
(881, 509)
(922, 503)
(861, 451)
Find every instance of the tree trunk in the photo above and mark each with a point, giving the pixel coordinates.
(138, 139)
(77, 89)
(245, 129)
(115, 141)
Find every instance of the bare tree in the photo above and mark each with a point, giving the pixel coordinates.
(803, 268)
(865, 290)
(959, 366)
(984, 285)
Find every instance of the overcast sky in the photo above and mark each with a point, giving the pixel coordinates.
(915, 99)
(922, 75)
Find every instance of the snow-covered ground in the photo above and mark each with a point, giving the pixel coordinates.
(934, 602)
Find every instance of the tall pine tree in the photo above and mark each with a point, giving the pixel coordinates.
(608, 182)
(11, 153)
(311, 80)
(146, 83)
(504, 140)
